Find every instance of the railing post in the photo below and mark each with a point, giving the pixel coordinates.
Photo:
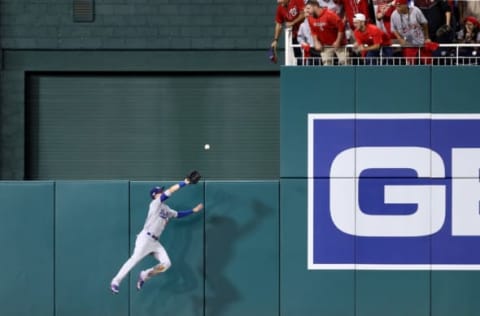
(289, 56)
(456, 54)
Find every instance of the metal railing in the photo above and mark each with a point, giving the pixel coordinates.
(451, 56)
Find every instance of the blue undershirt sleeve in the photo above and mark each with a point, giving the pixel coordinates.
(184, 213)
(163, 197)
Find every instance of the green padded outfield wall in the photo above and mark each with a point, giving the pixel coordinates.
(242, 254)
(27, 243)
(64, 241)
(358, 292)
(91, 239)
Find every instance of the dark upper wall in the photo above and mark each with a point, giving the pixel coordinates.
(138, 24)
(126, 35)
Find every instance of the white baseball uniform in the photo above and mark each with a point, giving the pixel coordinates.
(147, 241)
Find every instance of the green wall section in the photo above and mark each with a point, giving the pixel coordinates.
(362, 90)
(302, 291)
(91, 240)
(455, 293)
(66, 240)
(392, 90)
(27, 243)
(454, 90)
(241, 257)
(396, 293)
(304, 90)
(417, 89)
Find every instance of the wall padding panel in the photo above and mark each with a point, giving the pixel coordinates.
(91, 243)
(242, 263)
(392, 89)
(302, 291)
(26, 240)
(308, 90)
(373, 91)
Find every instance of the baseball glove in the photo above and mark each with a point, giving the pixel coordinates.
(194, 177)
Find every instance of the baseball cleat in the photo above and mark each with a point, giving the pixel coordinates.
(114, 287)
(140, 282)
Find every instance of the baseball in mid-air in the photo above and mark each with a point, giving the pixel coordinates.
(206, 146)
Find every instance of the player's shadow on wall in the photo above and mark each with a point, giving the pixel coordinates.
(223, 233)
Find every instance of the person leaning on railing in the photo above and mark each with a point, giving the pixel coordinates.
(441, 23)
(305, 39)
(411, 29)
(370, 40)
(440, 20)
(328, 32)
(384, 13)
(351, 7)
(290, 13)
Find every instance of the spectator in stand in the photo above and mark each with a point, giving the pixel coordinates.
(384, 13)
(370, 40)
(332, 5)
(440, 20)
(290, 13)
(469, 34)
(351, 7)
(468, 8)
(411, 29)
(328, 32)
(305, 39)
(439, 16)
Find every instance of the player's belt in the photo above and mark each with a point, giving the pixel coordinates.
(152, 235)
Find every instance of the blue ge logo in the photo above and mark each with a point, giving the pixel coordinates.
(394, 191)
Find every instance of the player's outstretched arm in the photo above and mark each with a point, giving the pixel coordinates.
(174, 188)
(192, 178)
(177, 186)
(196, 209)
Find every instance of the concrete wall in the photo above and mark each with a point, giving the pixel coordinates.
(138, 24)
(129, 36)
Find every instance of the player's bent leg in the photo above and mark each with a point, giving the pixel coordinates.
(164, 263)
(161, 267)
(127, 266)
(147, 274)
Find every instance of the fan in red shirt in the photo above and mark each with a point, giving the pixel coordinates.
(384, 13)
(328, 32)
(290, 13)
(370, 40)
(352, 7)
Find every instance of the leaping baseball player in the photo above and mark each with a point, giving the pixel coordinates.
(147, 241)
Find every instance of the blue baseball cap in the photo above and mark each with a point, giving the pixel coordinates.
(154, 191)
